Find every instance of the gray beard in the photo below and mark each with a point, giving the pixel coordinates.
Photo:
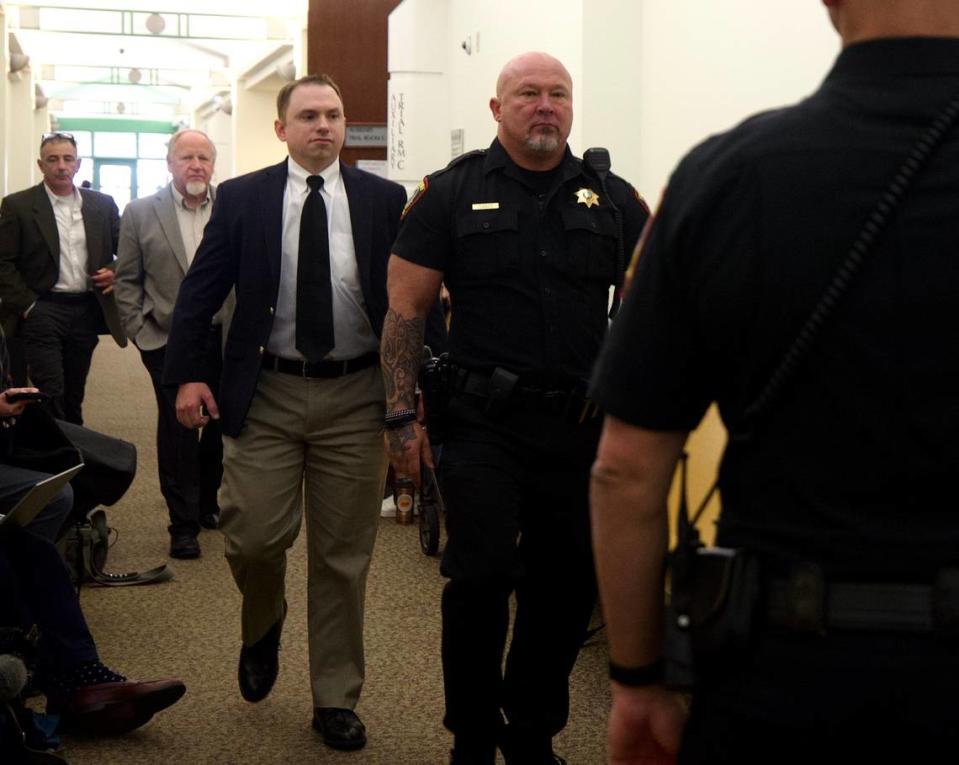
(545, 143)
(196, 188)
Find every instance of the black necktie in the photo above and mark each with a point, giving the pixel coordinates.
(314, 293)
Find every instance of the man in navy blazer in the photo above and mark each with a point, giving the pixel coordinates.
(292, 418)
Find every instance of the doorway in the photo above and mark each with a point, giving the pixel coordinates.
(116, 177)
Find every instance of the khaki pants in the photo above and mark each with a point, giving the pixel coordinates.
(321, 438)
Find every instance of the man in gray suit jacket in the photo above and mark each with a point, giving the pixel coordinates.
(159, 235)
(56, 259)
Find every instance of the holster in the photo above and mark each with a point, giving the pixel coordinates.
(501, 385)
(435, 387)
(711, 610)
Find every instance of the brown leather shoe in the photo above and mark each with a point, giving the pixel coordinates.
(110, 709)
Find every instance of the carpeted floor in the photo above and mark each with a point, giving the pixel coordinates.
(189, 628)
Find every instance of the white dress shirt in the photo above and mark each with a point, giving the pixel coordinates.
(352, 332)
(68, 212)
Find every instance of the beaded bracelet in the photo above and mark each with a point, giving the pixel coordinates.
(635, 677)
(399, 418)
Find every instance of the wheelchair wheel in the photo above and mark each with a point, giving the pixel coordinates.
(429, 528)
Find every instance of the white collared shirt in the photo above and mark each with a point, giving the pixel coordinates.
(352, 332)
(191, 221)
(68, 212)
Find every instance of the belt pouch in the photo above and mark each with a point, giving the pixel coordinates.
(710, 617)
(501, 384)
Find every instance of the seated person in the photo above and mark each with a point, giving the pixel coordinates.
(89, 697)
(16, 481)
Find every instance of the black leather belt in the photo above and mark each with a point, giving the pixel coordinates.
(570, 404)
(65, 297)
(321, 369)
(804, 604)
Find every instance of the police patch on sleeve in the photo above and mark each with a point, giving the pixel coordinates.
(417, 195)
(641, 244)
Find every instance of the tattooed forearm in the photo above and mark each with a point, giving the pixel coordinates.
(401, 354)
(398, 438)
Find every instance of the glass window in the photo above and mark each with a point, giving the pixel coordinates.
(84, 139)
(151, 176)
(85, 173)
(115, 144)
(153, 145)
(115, 180)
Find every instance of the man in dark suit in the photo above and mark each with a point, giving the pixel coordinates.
(305, 244)
(159, 236)
(57, 244)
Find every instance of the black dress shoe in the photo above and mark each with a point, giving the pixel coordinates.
(210, 520)
(461, 756)
(341, 728)
(260, 663)
(184, 546)
(520, 749)
(551, 759)
(110, 709)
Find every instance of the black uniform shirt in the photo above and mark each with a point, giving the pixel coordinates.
(856, 464)
(528, 260)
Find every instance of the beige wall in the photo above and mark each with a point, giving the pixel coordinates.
(699, 68)
(4, 106)
(610, 107)
(255, 144)
(22, 144)
(219, 127)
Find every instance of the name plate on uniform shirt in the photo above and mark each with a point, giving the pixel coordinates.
(485, 205)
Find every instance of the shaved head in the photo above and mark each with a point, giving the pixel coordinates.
(518, 65)
(534, 108)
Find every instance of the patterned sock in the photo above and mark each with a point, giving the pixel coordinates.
(59, 689)
(94, 673)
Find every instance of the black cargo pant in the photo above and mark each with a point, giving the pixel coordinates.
(516, 491)
(190, 464)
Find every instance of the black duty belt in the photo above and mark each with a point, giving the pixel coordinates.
(570, 404)
(320, 369)
(808, 604)
(65, 297)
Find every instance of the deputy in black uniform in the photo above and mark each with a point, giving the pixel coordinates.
(528, 241)
(845, 486)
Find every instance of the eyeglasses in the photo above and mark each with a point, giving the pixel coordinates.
(45, 138)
